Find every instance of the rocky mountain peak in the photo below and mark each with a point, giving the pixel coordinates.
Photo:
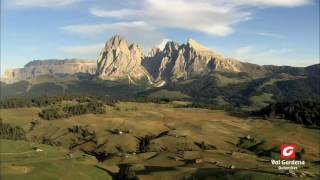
(118, 60)
(182, 61)
(163, 43)
(153, 52)
(117, 43)
(170, 47)
(191, 43)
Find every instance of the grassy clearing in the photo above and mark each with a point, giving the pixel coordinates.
(261, 100)
(19, 116)
(20, 161)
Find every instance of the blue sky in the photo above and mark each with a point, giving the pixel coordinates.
(277, 32)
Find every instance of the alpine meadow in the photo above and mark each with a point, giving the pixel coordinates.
(159, 90)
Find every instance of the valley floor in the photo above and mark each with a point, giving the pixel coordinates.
(158, 141)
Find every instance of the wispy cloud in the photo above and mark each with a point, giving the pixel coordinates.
(270, 56)
(204, 16)
(96, 29)
(217, 17)
(277, 3)
(244, 50)
(251, 51)
(116, 14)
(272, 35)
(135, 31)
(84, 49)
(43, 3)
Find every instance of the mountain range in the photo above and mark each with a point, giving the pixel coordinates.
(188, 70)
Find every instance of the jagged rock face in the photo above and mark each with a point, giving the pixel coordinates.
(182, 61)
(118, 60)
(49, 67)
(173, 62)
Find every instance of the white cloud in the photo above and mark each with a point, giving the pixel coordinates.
(279, 3)
(281, 56)
(96, 29)
(43, 3)
(135, 31)
(204, 16)
(117, 14)
(251, 52)
(163, 43)
(85, 49)
(217, 17)
(272, 35)
(244, 50)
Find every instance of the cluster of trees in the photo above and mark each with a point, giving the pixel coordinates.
(84, 108)
(30, 102)
(84, 134)
(144, 143)
(235, 111)
(51, 113)
(15, 103)
(301, 112)
(103, 99)
(11, 132)
(142, 98)
(43, 101)
(126, 172)
(82, 131)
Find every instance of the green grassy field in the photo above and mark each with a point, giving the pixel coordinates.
(20, 161)
(19, 116)
(169, 156)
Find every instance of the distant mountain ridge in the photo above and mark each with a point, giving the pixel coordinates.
(37, 68)
(177, 71)
(119, 60)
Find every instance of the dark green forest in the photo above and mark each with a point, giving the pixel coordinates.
(11, 132)
(43, 101)
(57, 112)
(301, 112)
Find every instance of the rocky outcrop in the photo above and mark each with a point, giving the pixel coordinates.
(118, 60)
(49, 67)
(191, 59)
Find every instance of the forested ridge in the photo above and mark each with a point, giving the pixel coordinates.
(65, 111)
(301, 112)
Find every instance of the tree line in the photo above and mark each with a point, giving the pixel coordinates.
(301, 112)
(57, 112)
(11, 132)
(43, 101)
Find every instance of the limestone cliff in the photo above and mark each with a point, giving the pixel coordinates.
(190, 59)
(118, 60)
(49, 67)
